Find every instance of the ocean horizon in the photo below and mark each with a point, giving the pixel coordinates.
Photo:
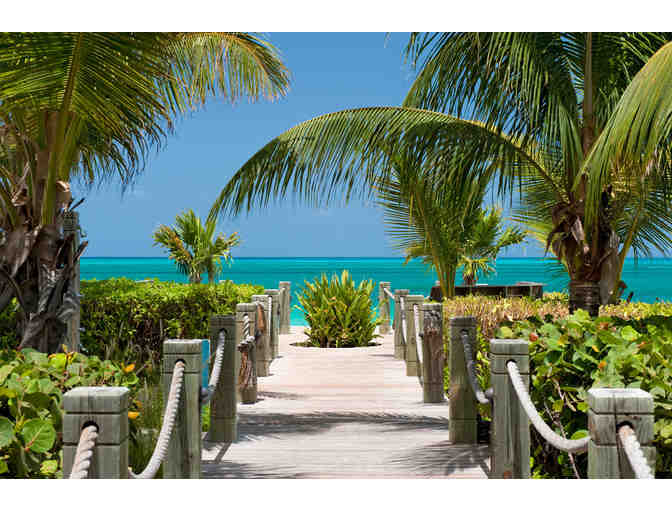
(649, 278)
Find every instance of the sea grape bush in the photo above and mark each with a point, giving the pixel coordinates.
(570, 355)
(338, 313)
(32, 385)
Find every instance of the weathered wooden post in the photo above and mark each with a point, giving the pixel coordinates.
(510, 434)
(106, 407)
(399, 345)
(412, 361)
(247, 377)
(275, 322)
(183, 459)
(71, 227)
(608, 408)
(432, 353)
(223, 417)
(264, 349)
(463, 409)
(384, 308)
(286, 307)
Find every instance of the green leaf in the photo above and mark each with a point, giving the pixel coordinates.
(579, 434)
(49, 467)
(557, 405)
(6, 432)
(629, 334)
(582, 406)
(38, 435)
(5, 370)
(3, 467)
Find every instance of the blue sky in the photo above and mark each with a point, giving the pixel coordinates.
(330, 72)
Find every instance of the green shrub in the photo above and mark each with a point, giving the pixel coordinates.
(338, 313)
(125, 320)
(32, 385)
(573, 354)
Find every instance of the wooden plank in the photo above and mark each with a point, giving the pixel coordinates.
(342, 413)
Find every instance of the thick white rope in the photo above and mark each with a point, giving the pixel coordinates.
(207, 394)
(471, 369)
(167, 426)
(559, 442)
(403, 319)
(82, 461)
(633, 451)
(418, 340)
(246, 326)
(389, 294)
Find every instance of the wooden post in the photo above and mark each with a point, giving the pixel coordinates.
(384, 308)
(183, 459)
(71, 227)
(399, 346)
(247, 394)
(285, 308)
(413, 364)
(223, 418)
(432, 353)
(608, 408)
(510, 435)
(264, 349)
(106, 407)
(463, 409)
(275, 322)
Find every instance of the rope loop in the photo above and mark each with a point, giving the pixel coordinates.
(84, 453)
(172, 406)
(481, 396)
(559, 442)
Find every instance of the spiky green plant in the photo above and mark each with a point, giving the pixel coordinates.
(338, 313)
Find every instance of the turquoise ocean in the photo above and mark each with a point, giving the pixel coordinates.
(649, 279)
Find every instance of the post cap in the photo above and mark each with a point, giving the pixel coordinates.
(96, 399)
(509, 346)
(620, 401)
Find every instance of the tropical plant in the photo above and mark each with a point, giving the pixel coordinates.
(32, 385)
(89, 107)
(566, 118)
(338, 313)
(193, 247)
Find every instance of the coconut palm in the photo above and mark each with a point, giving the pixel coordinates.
(194, 247)
(543, 114)
(444, 229)
(89, 107)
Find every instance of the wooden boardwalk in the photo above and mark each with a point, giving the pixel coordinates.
(342, 413)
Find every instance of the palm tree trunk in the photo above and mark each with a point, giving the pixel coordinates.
(584, 295)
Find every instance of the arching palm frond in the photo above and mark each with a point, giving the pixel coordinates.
(636, 139)
(347, 152)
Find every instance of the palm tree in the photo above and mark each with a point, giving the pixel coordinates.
(90, 106)
(444, 229)
(193, 247)
(548, 116)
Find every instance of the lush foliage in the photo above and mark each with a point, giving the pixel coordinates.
(88, 107)
(127, 320)
(571, 355)
(549, 114)
(32, 385)
(338, 313)
(194, 247)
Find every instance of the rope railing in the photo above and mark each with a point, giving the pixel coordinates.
(389, 294)
(172, 406)
(633, 452)
(482, 396)
(403, 319)
(559, 442)
(84, 452)
(207, 393)
(418, 341)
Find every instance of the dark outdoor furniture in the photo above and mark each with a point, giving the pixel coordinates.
(532, 289)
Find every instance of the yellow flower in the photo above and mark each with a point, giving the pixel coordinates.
(595, 348)
(132, 415)
(137, 403)
(129, 368)
(602, 365)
